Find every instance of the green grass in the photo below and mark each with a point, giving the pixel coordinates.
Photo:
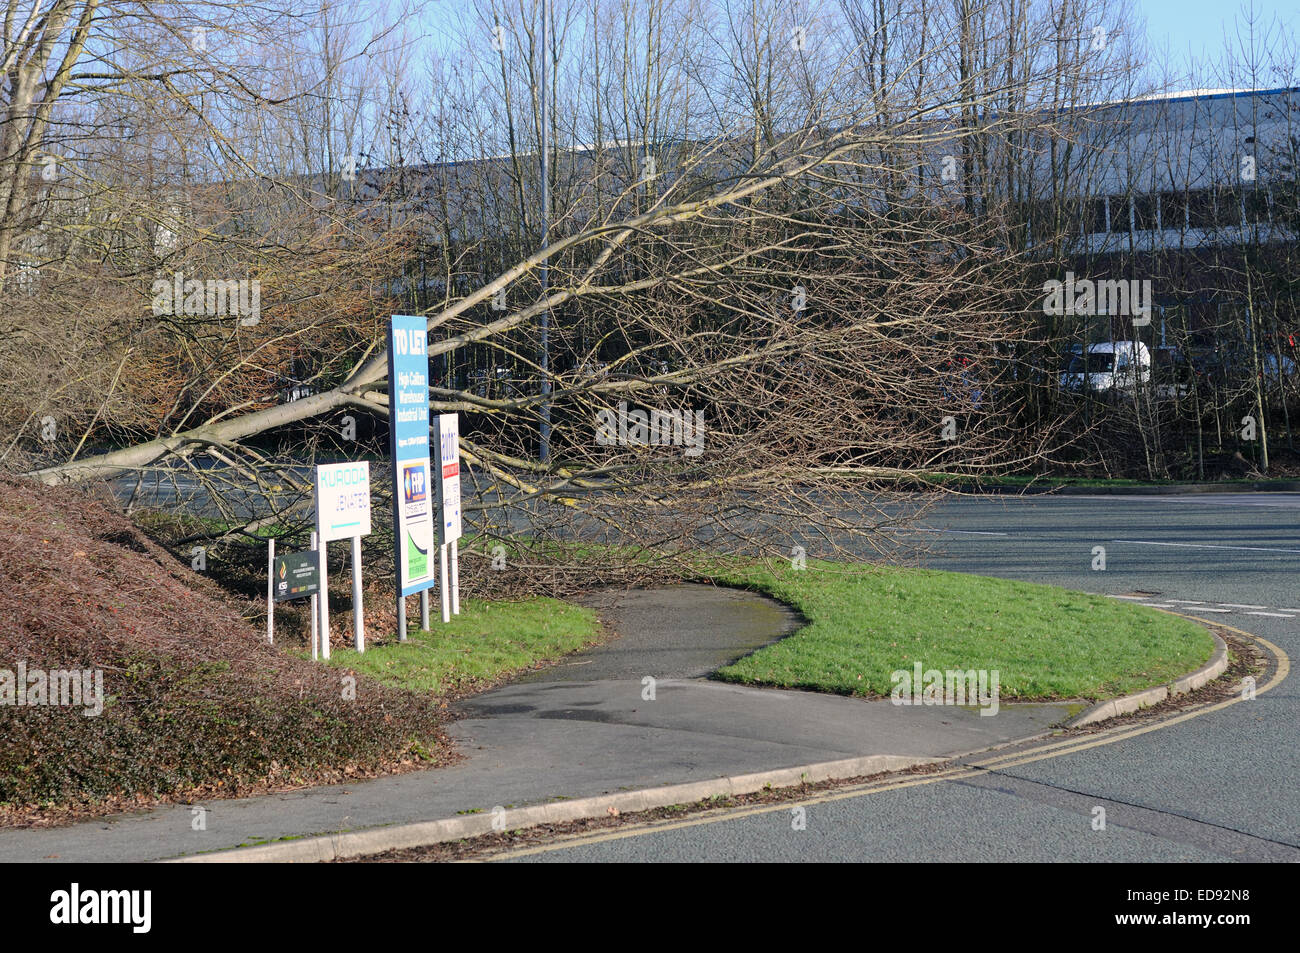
(485, 643)
(1045, 642)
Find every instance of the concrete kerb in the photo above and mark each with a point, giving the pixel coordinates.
(377, 840)
(1211, 670)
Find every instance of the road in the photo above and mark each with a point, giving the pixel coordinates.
(1224, 785)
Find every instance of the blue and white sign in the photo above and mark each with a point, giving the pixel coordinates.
(408, 411)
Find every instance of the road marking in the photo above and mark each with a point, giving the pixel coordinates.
(1188, 602)
(1286, 500)
(1159, 605)
(1244, 549)
(1206, 609)
(959, 532)
(972, 769)
(1273, 615)
(1238, 605)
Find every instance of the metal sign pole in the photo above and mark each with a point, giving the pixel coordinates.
(324, 604)
(315, 614)
(455, 577)
(424, 609)
(443, 597)
(358, 609)
(401, 616)
(270, 591)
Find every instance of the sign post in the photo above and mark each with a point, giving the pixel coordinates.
(455, 578)
(343, 512)
(270, 591)
(444, 597)
(408, 415)
(447, 428)
(323, 601)
(315, 608)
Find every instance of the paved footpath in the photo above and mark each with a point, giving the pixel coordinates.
(580, 729)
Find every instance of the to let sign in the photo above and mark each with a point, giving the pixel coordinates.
(413, 478)
(342, 500)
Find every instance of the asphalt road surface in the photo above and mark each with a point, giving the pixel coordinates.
(1223, 785)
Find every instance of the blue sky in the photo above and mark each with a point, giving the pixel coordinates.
(1190, 31)
(1193, 30)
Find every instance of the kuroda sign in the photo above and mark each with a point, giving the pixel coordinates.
(343, 500)
(342, 512)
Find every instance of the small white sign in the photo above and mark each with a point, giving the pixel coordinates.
(343, 500)
(448, 469)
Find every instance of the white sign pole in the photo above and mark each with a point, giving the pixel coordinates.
(424, 609)
(358, 610)
(324, 603)
(455, 577)
(315, 613)
(270, 591)
(443, 596)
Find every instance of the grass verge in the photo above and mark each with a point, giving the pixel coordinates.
(486, 643)
(1045, 642)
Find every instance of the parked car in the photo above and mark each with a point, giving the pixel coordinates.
(1110, 369)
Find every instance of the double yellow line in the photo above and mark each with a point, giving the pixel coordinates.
(1282, 667)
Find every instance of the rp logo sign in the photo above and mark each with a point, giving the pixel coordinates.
(415, 483)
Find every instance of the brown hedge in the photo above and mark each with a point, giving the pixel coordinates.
(198, 704)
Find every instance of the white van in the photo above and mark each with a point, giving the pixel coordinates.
(1109, 369)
